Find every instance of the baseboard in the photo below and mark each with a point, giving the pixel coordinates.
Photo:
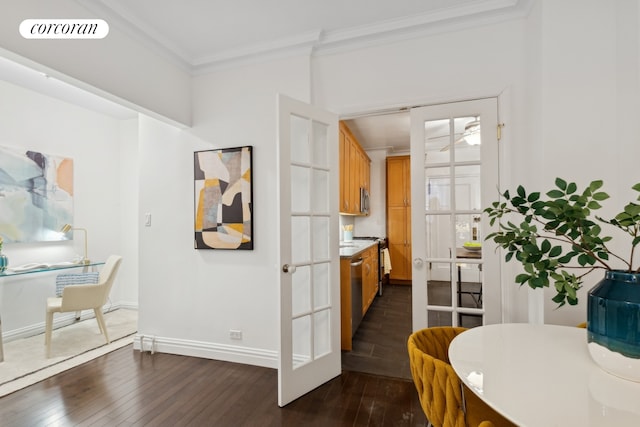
(227, 353)
(59, 320)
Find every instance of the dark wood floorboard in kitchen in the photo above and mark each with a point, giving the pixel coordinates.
(380, 343)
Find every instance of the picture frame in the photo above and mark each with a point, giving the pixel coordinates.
(223, 198)
(36, 195)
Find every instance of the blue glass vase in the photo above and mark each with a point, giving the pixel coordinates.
(613, 324)
(4, 262)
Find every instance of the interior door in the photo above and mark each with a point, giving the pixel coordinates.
(309, 249)
(454, 164)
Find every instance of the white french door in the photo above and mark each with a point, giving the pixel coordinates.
(309, 352)
(454, 176)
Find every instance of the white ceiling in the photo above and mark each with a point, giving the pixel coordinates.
(201, 35)
(386, 131)
(204, 34)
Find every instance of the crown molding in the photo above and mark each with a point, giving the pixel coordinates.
(448, 19)
(140, 32)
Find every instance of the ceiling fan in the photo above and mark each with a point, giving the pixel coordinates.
(471, 134)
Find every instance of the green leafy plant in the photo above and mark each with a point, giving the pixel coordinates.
(558, 238)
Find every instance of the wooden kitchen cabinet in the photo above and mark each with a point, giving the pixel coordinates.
(399, 217)
(369, 277)
(355, 167)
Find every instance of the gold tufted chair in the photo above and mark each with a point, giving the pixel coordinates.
(445, 401)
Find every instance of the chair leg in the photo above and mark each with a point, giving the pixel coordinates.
(47, 332)
(101, 324)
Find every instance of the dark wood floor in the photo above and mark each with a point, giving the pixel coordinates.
(380, 343)
(128, 388)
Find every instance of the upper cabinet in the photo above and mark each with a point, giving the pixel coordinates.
(355, 178)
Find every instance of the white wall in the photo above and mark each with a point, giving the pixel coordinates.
(117, 67)
(587, 91)
(32, 121)
(127, 293)
(190, 299)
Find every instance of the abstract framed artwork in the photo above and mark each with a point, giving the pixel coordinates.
(223, 198)
(36, 195)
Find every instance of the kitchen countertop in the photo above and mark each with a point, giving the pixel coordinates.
(350, 249)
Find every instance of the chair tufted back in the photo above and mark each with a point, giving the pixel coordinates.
(444, 399)
(437, 384)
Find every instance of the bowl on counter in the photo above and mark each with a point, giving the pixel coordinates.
(473, 247)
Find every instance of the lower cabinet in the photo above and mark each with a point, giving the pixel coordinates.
(369, 278)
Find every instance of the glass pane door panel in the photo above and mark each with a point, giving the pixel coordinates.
(299, 139)
(320, 195)
(300, 185)
(470, 295)
(468, 195)
(438, 231)
(301, 335)
(439, 289)
(321, 238)
(468, 320)
(321, 284)
(300, 242)
(439, 318)
(464, 230)
(301, 290)
(438, 188)
(467, 140)
(438, 142)
(320, 147)
(322, 333)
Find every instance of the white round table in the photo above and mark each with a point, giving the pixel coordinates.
(543, 375)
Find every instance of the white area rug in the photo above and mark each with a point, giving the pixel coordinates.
(25, 362)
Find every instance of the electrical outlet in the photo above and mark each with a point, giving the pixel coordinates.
(235, 334)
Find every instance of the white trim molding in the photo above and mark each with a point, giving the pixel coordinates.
(206, 350)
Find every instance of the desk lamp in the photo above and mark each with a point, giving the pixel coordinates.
(66, 228)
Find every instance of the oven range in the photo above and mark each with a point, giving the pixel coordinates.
(382, 244)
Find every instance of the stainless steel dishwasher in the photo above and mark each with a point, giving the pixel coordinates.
(356, 293)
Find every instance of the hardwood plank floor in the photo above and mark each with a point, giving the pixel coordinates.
(380, 343)
(129, 388)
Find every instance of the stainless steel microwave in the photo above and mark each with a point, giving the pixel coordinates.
(364, 201)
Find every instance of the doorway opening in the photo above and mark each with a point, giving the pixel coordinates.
(444, 288)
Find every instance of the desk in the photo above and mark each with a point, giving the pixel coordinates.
(542, 375)
(38, 268)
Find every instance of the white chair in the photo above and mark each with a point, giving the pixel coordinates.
(84, 297)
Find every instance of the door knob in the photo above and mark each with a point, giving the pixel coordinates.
(417, 262)
(289, 268)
